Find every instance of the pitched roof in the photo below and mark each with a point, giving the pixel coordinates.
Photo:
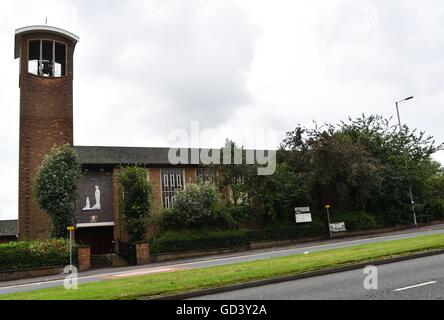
(123, 155)
(132, 155)
(8, 228)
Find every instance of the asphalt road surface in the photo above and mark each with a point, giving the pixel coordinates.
(416, 279)
(114, 273)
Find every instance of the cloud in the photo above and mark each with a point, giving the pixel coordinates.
(190, 59)
(143, 68)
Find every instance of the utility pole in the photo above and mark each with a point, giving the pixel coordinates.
(412, 202)
(70, 229)
(327, 207)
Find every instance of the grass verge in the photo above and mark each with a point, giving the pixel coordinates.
(186, 280)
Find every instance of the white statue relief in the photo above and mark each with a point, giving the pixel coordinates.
(87, 205)
(97, 196)
(97, 205)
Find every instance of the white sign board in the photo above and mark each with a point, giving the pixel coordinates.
(337, 227)
(303, 214)
(303, 217)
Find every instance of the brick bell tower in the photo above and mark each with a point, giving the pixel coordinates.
(46, 112)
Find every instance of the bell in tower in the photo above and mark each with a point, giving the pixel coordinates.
(46, 112)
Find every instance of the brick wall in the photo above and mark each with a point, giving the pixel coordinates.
(190, 175)
(84, 253)
(46, 119)
(154, 179)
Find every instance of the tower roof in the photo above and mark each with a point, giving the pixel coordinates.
(39, 28)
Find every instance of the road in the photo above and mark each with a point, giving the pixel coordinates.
(416, 279)
(114, 273)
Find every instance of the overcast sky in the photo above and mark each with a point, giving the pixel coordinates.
(144, 68)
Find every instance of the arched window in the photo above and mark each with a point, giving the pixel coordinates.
(47, 58)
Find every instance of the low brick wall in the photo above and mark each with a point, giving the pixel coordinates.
(84, 258)
(142, 253)
(30, 273)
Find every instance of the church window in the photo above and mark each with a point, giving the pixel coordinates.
(171, 183)
(47, 58)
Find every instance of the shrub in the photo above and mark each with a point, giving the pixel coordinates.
(188, 240)
(356, 220)
(289, 232)
(168, 219)
(34, 254)
(137, 200)
(393, 217)
(237, 215)
(55, 188)
(196, 206)
(433, 210)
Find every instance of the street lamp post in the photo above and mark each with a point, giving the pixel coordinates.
(412, 202)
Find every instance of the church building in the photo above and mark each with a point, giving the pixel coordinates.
(46, 119)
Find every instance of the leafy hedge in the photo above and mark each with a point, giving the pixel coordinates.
(356, 220)
(315, 228)
(177, 241)
(33, 254)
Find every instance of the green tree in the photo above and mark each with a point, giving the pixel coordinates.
(136, 200)
(335, 168)
(368, 164)
(406, 159)
(55, 187)
(231, 176)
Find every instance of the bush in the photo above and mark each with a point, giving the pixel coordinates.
(188, 240)
(34, 254)
(237, 215)
(196, 206)
(137, 200)
(356, 220)
(289, 232)
(433, 210)
(55, 188)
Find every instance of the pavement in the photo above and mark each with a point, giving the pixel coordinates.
(202, 262)
(415, 279)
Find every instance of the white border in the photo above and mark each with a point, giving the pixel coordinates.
(20, 31)
(95, 224)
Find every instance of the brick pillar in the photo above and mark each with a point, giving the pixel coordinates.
(84, 257)
(142, 253)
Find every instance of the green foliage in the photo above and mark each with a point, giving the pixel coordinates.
(196, 206)
(356, 220)
(55, 188)
(274, 197)
(237, 215)
(137, 200)
(367, 164)
(405, 158)
(194, 240)
(231, 177)
(317, 228)
(34, 254)
(363, 166)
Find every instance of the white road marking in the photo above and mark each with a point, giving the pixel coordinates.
(416, 286)
(145, 271)
(268, 253)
